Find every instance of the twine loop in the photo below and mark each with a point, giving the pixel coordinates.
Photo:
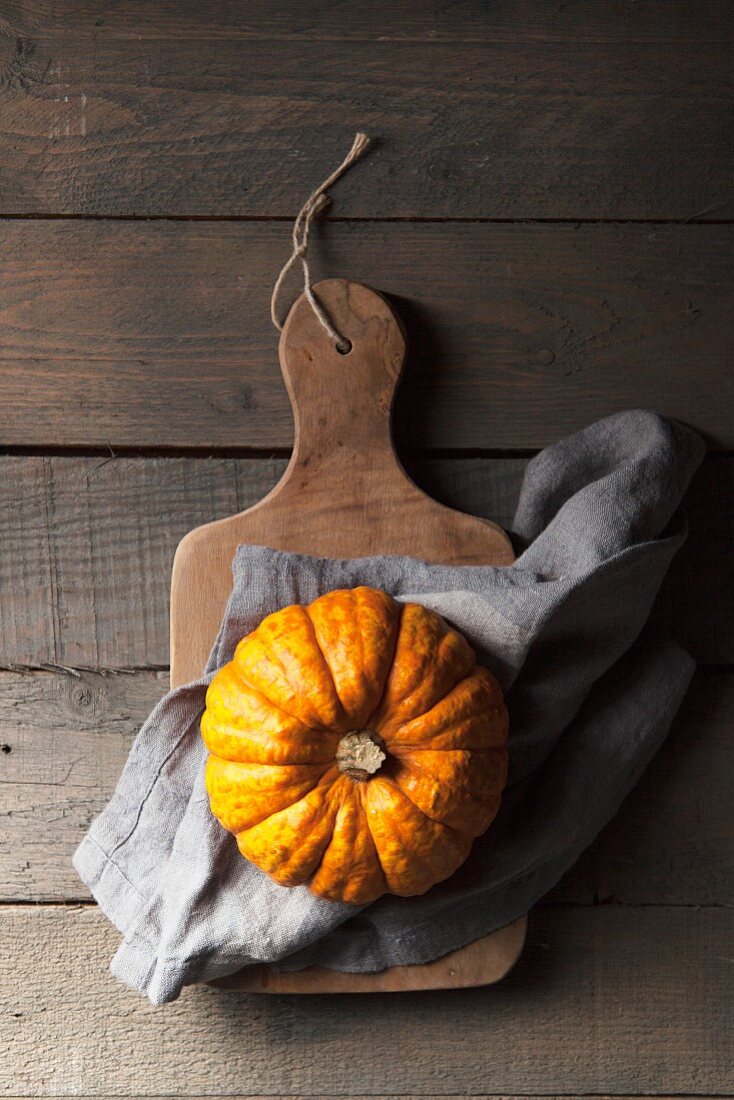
(311, 208)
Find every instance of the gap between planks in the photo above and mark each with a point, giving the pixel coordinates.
(72, 903)
(693, 219)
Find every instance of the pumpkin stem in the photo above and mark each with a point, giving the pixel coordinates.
(360, 754)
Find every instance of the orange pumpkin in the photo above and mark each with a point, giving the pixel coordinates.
(355, 745)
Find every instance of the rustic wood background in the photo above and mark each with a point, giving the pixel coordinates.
(549, 204)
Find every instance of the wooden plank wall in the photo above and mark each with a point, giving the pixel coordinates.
(548, 202)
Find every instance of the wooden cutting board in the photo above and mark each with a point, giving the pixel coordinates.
(343, 495)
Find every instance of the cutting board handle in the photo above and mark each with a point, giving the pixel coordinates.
(342, 401)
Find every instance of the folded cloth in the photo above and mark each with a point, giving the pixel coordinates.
(590, 693)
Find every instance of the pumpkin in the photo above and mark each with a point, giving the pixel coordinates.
(355, 745)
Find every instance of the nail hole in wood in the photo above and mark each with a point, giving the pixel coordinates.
(344, 347)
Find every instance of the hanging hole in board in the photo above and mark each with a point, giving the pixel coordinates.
(344, 346)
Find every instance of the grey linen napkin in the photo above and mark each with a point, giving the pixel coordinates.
(591, 695)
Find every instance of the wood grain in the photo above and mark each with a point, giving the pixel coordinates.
(158, 334)
(87, 544)
(605, 1000)
(64, 740)
(141, 109)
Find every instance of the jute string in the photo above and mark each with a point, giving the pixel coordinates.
(313, 206)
